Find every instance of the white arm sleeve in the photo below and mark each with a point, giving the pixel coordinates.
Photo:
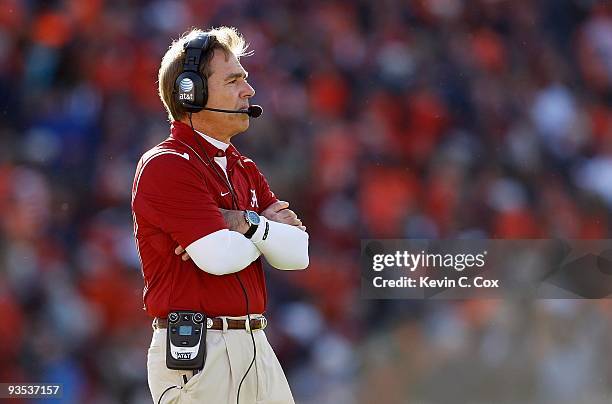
(284, 246)
(223, 252)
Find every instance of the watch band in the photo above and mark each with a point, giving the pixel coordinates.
(249, 233)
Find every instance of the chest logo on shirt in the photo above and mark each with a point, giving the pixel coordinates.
(254, 203)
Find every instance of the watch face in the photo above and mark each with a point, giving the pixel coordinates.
(253, 218)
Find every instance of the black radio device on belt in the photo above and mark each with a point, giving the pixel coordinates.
(186, 340)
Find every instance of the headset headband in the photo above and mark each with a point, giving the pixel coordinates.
(194, 50)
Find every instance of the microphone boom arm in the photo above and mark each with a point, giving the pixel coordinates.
(253, 111)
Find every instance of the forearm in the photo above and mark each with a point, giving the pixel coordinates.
(235, 220)
(223, 252)
(285, 247)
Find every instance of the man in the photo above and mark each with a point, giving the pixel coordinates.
(203, 215)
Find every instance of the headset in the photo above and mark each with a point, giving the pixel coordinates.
(191, 86)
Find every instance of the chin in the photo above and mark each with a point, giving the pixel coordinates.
(244, 126)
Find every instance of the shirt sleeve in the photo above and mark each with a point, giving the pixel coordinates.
(285, 247)
(223, 252)
(172, 195)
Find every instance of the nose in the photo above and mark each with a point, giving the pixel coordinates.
(249, 90)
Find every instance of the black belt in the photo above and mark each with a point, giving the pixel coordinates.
(216, 323)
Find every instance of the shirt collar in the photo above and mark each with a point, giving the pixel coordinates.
(212, 147)
(215, 142)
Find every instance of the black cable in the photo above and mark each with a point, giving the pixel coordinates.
(246, 296)
(174, 387)
(165, 391)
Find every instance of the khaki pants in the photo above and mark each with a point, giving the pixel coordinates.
(228, 355)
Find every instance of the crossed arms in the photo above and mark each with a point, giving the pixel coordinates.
(170, 194)
(227, 251)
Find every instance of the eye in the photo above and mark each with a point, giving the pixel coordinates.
(231, 81)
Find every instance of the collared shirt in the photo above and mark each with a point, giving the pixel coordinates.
(222, 161)
(177, 192)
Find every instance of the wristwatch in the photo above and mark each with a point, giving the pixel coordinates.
(253, 220)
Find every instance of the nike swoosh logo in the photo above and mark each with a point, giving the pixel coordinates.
(223, 194)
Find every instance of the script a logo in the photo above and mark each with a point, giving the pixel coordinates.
(183, 355)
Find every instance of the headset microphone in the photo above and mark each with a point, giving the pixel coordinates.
(253, 111)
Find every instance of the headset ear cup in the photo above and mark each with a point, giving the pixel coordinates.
(189, 91)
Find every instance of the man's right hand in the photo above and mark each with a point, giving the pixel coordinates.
(279, 212)
(181, 251)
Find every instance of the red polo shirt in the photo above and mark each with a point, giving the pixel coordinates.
(176, 198)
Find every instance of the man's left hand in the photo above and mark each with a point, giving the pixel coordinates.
(279, 212)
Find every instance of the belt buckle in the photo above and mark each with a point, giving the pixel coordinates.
(263, 322)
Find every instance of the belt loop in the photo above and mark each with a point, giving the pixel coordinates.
(224, 322)
(247, 325)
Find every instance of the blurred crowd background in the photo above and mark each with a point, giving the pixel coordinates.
(383, 119)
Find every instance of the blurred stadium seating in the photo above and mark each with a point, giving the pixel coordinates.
(383, 119)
